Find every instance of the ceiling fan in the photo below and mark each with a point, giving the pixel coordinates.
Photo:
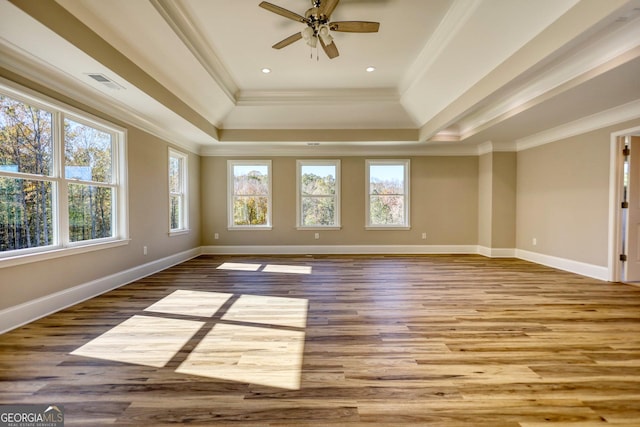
(319, 25)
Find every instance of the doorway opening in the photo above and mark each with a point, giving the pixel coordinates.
(624, 242)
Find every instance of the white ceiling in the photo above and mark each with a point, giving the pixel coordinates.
(452, 73)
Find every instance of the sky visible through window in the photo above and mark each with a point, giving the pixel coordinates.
(240, 170)
(387, 173)
(320, 170)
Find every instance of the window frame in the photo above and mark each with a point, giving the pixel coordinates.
(183, 194)
(406, 163)
(61, 245)
(336, 196)
(231, 194)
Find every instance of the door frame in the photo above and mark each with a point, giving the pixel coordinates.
(616, 188)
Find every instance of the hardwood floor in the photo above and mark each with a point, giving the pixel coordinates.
(338, 341)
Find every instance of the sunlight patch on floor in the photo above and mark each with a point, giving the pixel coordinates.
(142, 340)
(265, 356)
(290, 269)
(268, 310)
(268, 352)
(190, 303)
(239, 266)
(268, 268)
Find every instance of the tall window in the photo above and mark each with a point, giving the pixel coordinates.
(387, 193)
(178, 204)
(318, 184)
(61, 177)
(249, 194)
(90, 187)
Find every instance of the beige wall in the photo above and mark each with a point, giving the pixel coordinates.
(148, 223)
(444, 204)
(485, 181)
(503, 187)
(497, 200)
(563, 197)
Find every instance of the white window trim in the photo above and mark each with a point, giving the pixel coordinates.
(230, 225)
(407, 194)
(336, 196)
(184, 193)
(62, 247)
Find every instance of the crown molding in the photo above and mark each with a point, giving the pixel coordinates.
(576, 24)
(182, 25)
(34, 69)
(600, 120)
(348, 149)
(317, 97)
(373, 136)
(496, 147)
(617, 47)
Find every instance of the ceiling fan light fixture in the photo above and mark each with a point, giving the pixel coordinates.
(309, 36)
(307, 33)
(324, 34)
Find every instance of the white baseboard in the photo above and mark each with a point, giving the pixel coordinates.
(13, 317)
(582, 268)
(497, 252)
(589, 270)
(18, 315)
(339, 249)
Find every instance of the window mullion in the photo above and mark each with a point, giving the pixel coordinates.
(118, 215)
(61, 200)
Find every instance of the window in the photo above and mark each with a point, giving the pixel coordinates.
(387, 193)
(62, 181)
(88, 171)
(318, 200)
(178, 203)
(249, 194)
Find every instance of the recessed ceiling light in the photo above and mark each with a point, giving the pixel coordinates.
(266, 70)
(370, 69)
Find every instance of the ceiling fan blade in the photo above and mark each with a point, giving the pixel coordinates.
(355, 26)
(330, 49)
(286, 42)
(282, 11)
(327, 7)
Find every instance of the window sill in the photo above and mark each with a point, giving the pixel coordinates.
(250, 228)
(179, 232)
(387, 227)
(11, 261)
(318, 227)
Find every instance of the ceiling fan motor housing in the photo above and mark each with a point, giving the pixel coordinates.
(314, 18)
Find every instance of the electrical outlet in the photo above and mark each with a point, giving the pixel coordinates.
(216, 236)
(424, 236)
(316, 236)
(144, 250)
(534, 241)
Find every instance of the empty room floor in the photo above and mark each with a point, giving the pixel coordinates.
(436, 340)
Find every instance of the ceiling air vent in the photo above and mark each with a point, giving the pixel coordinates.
(101, 78)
